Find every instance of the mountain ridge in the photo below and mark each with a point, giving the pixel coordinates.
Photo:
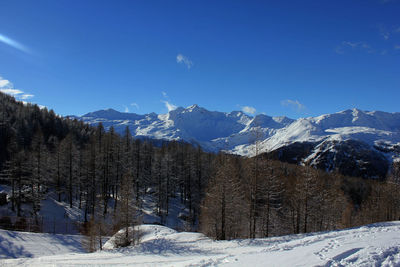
(237, 132)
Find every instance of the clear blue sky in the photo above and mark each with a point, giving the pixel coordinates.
(293, 58)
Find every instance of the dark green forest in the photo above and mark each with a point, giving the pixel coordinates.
(227, 196)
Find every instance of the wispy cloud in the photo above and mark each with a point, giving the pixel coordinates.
(126, 109)
(26, 96)
(8, 41)
(350, 44)
(384, 32)
(397, 47)
(295, 104)
(167, 102)
(9, 91)
(135, 105)
(181, 59)
(339, 50)
(249, 110)
(4, 83)
(7, 87)
(346, 45)
(387, 32)
(169, 105)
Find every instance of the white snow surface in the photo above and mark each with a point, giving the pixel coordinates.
(236, 131)
(25, 245)
(371, 245)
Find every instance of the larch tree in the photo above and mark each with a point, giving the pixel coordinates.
(222, 216)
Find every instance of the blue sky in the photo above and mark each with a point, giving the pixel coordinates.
(293, 58)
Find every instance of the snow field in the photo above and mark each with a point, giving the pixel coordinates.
(372, 245)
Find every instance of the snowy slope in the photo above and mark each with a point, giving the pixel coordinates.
(22, 244)
(211, 129)
(236, 131)
(372, 245)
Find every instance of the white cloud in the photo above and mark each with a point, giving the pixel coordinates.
(184, 60)
(339, 50)
(7, 87)
(249, 110)
(126, 109)
(294, 104)
(8, 41)
(169, 105)
(388, 32)
(385, 34)
(4, 83)
(346, 45)
(135, 105)
(26, 96)
(351, 44)
(167, 102)
(397, 47)
(10, 91)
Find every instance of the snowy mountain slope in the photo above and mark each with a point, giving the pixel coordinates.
(371, 245)
(372, 128)
(211, 129)
(220, 130)
(236, 131)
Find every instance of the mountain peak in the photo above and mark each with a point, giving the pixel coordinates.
(232, 131)
(194, 107)
(112, 114)
(102, 112)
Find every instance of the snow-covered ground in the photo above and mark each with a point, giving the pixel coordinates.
(372, 245)
(25, 245)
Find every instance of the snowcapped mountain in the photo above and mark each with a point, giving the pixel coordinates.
(213, 130)
(327, 141)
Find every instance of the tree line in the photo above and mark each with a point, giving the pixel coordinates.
(108, 175)
(256, 197)
(87, 166)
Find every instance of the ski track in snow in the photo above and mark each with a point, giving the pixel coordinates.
(372, 245)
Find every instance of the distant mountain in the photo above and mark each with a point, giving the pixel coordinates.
(344, 141)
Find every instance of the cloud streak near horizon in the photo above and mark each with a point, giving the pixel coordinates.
(135, 105)
(295, 104)
(7, 87)
(249, 110)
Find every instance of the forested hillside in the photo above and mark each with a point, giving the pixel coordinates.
(109, 177)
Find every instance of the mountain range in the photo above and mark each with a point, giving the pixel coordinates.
(354, 142)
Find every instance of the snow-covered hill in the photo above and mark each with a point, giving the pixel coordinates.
(236, 131)
(371, 245)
